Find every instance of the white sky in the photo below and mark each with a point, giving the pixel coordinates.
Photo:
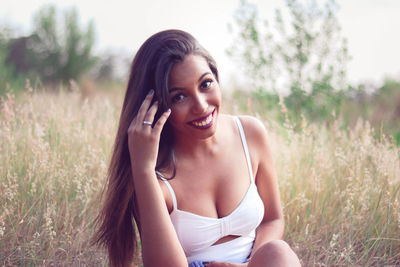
(372, 27)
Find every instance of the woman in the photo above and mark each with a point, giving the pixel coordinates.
(200, 185)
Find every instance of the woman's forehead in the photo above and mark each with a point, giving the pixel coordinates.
(190, 70)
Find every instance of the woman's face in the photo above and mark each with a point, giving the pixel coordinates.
(194, 97)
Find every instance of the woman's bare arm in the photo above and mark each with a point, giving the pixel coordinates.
(272, 225)
(160, 244)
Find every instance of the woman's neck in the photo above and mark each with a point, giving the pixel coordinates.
(187, 146)
(190, 147)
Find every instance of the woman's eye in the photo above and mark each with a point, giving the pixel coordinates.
(177, 98)
(206, 84)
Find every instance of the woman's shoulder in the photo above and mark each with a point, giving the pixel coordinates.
(254, 130)
(252, 126)
(246, 120)
(255, 133)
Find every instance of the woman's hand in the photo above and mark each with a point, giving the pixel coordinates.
(144, 135)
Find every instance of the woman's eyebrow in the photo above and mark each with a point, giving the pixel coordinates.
(178, 88)
(174, 89)
(204, 74)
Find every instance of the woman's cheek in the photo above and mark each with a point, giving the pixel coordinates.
(176, 115)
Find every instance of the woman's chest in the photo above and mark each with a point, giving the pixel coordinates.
(212, 188)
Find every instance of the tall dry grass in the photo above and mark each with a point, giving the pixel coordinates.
(341, 195)
(54, 150)
(340, 188)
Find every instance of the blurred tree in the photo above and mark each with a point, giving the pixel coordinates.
(112, 66)
(105, 67)
(10, 78)
(379, 105)
(304, 55)
(55, 53)
(46, 45)
(78, 47)
(18, 54)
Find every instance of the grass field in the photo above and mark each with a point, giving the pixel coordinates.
(339, 187)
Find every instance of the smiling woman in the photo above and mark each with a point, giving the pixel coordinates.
(220, 204)
(195, 98)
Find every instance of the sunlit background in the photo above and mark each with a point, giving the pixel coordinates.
(371, 27)
(323, 78)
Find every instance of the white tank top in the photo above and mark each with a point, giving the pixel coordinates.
(197, 234)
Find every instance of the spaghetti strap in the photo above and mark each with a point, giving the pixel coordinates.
(174, 203)
(246, 150)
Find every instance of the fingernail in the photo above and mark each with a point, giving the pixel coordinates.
(169, 110)
(151, 92)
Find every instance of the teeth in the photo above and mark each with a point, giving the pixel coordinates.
(205, 122)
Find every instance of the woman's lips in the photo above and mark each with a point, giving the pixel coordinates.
(205, 122)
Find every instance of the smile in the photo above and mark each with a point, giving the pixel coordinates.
(205, 122)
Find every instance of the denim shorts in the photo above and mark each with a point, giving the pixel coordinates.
(201, 263)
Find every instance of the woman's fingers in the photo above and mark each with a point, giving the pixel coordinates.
(161, 121)
(149, 117)
(144, 107)
(145, 117)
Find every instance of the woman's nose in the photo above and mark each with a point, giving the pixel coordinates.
(199, 104)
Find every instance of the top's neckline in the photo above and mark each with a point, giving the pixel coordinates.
(212, 218)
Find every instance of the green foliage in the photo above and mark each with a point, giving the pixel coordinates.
(45, 45)
(77, 47)
(66, 54)
(380, 106)
(54, 52)
(396, 137)
(303, 54)
(9, 79)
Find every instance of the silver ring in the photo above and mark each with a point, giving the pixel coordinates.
(147, 123)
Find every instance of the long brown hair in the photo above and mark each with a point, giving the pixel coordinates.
(150, 70)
